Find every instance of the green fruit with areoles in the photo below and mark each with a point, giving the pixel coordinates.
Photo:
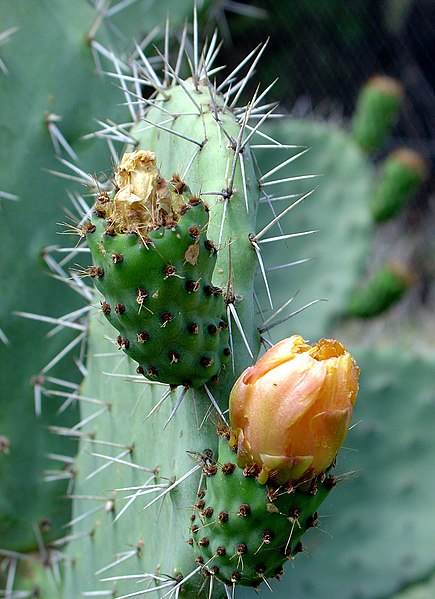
(156, 278)
(244, 532)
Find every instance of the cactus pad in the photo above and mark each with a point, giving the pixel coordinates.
(246, 531)
(153, 263)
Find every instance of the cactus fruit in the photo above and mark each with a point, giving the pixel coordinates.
(289, 414)
(154, 265)
(402, 173)
(245, 531)
(376, 112)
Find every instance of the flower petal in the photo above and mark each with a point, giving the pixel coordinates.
(280, 353)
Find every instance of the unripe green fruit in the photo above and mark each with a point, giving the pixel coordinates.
(403, 171)
(376, 112)
(159, 295)
(246, 531)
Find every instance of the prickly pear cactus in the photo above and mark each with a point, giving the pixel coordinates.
(175, 252)
(58, 91)
(144, 512)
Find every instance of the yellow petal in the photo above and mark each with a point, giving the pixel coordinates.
(280, 353)
(328, 431)
(277, 401)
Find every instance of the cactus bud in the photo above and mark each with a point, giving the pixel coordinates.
(403, 171)
(376, 112)
(385, 287)
(291, 411)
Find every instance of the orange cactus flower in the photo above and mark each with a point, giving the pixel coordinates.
(291, 411)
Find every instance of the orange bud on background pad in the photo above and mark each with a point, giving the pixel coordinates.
(291, 411)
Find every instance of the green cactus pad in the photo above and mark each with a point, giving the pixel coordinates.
(159, 295)
(245, 532)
